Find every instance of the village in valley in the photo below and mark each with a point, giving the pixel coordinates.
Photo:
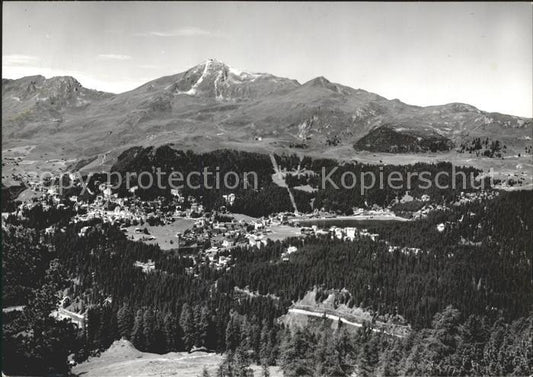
(181, 223)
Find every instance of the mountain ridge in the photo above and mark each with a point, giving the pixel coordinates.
(214, 104)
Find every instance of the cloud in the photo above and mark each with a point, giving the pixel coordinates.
(183, 32)
(148, 66)
(114, 57)
(18, 60)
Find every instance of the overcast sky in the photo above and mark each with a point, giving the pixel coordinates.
(421, 53)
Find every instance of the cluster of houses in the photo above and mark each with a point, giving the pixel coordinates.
(350, 233)
(130, 210)
(146, 267)
(215, 259)
(475, 196)
(222, 235)
(404, 250)
(427, 209)
(290, 250)
(464, 198)
(340, 233)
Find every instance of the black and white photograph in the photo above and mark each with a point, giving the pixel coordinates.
(267, 189)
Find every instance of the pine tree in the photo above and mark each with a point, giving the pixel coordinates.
(265, 348)
(416, 364)
(265, 370)
(226, 368)
(188, 326)
(107, 328)
(473, 337)
(170, 330)
(390, 358)
(149, 330)
(137, 333)
(322, 356)
(247, 341)
(233, 333)
(125, 321)
(442, 342)
(297, 354)
(368, 357)
(242, 364)
(522, 330)
(201, 319)
(344, 350)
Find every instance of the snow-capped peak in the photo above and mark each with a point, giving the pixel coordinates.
(213, 78)
(214, 64)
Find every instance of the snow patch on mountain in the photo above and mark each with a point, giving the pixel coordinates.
(194, 88)
(245, 76)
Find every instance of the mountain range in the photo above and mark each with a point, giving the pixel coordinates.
(213, 105)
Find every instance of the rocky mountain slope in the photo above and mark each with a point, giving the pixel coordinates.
(213, 105)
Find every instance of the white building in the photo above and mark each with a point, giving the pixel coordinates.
(350, 233)
(229, 199)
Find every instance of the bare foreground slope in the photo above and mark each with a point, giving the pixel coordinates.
(122, 359)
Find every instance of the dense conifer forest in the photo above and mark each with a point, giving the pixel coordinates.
(326, 176)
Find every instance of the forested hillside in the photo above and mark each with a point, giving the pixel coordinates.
(467, 294)
(337, 187)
